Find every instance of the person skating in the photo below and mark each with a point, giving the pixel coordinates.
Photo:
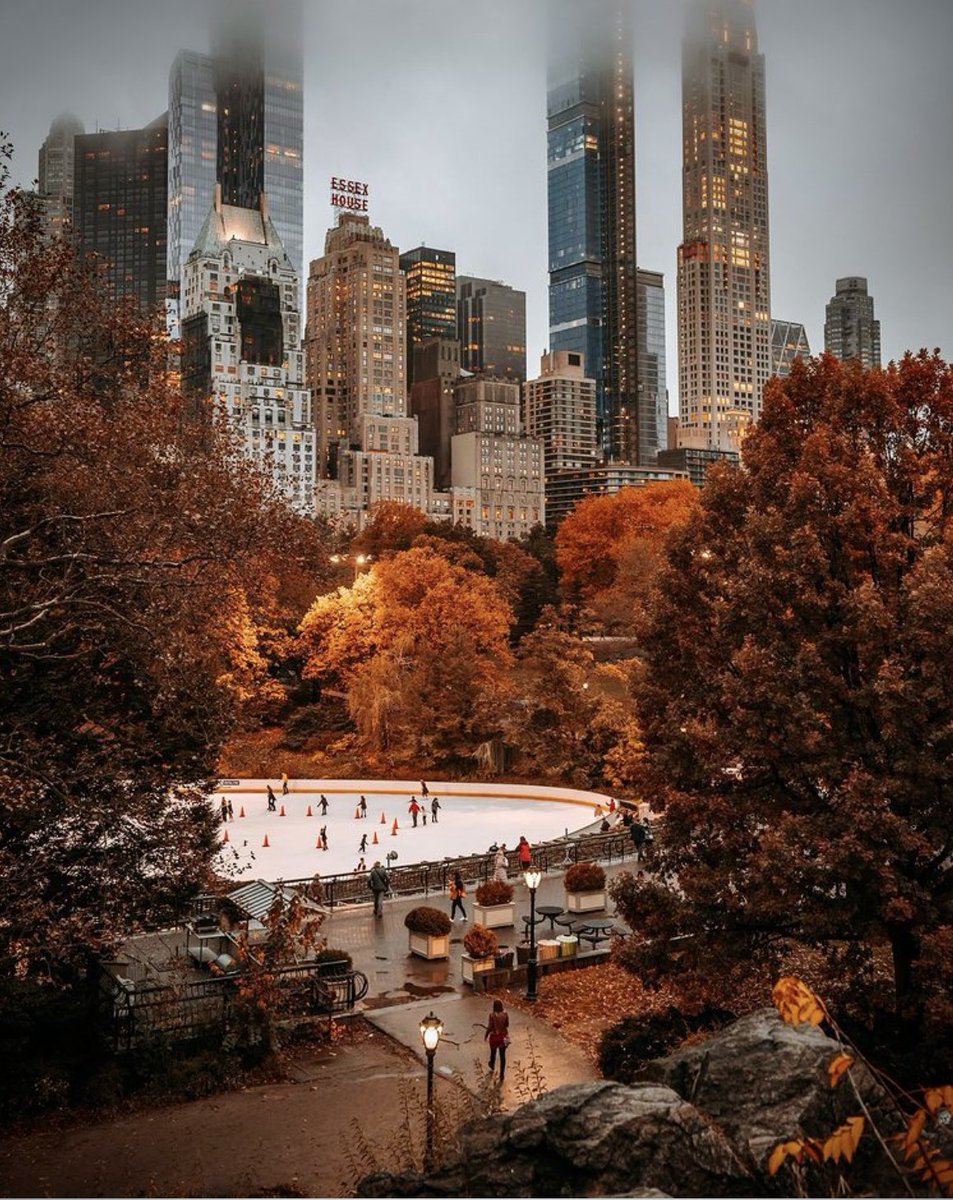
(379, 883)
(498, 1035)
(231, 811)
(284, 783)
(323, 802)
(413, 808)
(363, 807)
(435, 807)
(457, 892)
(363, 846)
(323, 835)
(224, 810)
(424, 790)
(272, 799)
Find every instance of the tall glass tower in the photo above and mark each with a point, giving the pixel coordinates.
(591, 184)
(724, 294)
(236, 118)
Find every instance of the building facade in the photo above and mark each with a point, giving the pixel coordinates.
(850, 329)
(236, 117)
(431, 286)
(559, 408)
(788, 342)
(695, 462)
(491, 328)
(119, 209)
(55, 168)
(497, 473)
(724, 295)
(367, 444)
(593, 303)
(241, 334)
(566, 488)
(436, 369)
(652, 414)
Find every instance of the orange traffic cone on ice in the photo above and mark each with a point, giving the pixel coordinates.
(393, 828)
(265, 843)
(374, 841)
(241, 811)
(309, 810)
(383, 819)
(357, 814)
(319, 845)
(282, 813)
(226, 837)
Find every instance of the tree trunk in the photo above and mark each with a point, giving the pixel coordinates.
(905, 947)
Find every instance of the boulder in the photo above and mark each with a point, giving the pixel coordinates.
(594, 1139)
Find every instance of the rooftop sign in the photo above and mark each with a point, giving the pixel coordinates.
(349, 194)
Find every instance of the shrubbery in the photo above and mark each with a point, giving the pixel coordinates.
(585, 877)
(428, 921)
(481, 942)
(494, 891)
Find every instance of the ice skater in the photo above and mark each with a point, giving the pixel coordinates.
(231, 811)
(435, 807)
(284, 783)
(424, 790)
(324, 805)
(323, 835)
(272, 799)
(363, 807)
(224, 810)
(413, 808)
(363, 846)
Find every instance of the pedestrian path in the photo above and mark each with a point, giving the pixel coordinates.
(537, 1051)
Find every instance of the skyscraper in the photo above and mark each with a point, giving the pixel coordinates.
(236, 117)
(559, 407)
(850, 330)
(788, 342)
(491, 328)
(591, 186)
(431, 283)
(724, 306)
(436, 371)
(241, 334)
(119, 208)
(652, 410)
(355, 346)
(56, 159)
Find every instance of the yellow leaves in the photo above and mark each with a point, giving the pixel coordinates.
(797, 1004)
(837, 1066)
(921, 1157)
(937, 1098)
(843, 1141)
(842, 1144)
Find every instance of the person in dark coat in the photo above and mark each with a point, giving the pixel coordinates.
(379, 883)
(363, 846)
(363, 807)
(323, 835)
(457, 892)
(639, 835)
(272, 799)
(323, 802)
(435, 807)
(498, 1035)
(424, 790)
(224, 810)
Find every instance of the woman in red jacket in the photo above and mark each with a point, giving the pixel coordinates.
(498, 1035)
(525, 853)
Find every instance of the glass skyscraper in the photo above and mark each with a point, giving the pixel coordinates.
(491, 328)
(591, 195)
(431, 278)
(653, 393)
(236, 117)
(788, 342)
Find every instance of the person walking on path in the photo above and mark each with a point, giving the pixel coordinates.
(363, 846)
(525, 853)
(323, 835)
(379, 883)
(413, 808)
(324, 805)
(498, 1035)
(363, 807)
(500, 864)
(457, 892)
(424, 790)
(639, 835)
(435, 807)
(272, 800)
(284, 783)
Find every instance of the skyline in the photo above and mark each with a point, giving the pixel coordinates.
(483, 195)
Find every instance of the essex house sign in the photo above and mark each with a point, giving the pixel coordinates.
(349, 194)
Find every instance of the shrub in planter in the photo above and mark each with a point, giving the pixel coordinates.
(330, 960)
(585, 877)
(428, 922)
(481, 942)
(494, 891)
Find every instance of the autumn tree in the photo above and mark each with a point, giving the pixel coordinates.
(419, 644)
(391, 526)
(609, 548)
(138, 551)
(797, 696)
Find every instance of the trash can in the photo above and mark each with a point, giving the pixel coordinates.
(548, 949)
(568, 944)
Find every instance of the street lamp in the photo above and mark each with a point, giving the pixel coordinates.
(532, 875)
(359, 560)
(431, 1027)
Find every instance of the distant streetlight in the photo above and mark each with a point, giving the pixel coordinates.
(431, 1027)
(532, 876)
(359, 560)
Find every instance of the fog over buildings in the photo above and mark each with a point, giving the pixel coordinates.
(443, 113)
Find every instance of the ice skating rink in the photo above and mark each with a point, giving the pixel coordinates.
(470, 818)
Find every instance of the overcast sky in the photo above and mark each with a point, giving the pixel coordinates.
(440, 105)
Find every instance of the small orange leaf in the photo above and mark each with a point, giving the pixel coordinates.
(837, 1066)
(796, 1003)
(781, 1151)
(914, 1129)
(939, 1097)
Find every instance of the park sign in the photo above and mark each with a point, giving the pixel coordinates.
(349, 194)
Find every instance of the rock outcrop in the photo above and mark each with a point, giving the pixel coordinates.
(702, 1122)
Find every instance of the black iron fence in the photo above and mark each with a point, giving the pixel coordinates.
(423, 878)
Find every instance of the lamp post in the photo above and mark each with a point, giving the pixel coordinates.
(357, 559)
(532, 875)
(431, 1027)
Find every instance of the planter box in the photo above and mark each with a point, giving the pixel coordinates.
(495, 916)
(583, 902)
(475, 966)
(425, 945)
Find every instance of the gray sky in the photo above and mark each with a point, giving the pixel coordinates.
(440, 106)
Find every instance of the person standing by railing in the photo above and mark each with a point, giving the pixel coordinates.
(379, 883)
